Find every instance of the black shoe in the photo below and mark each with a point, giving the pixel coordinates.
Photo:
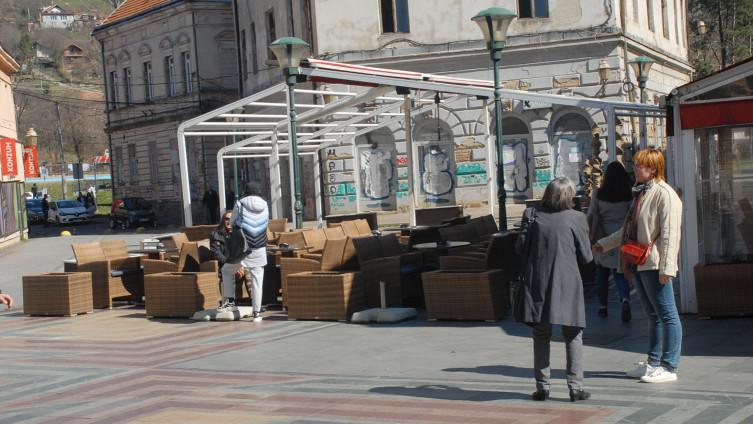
(576, 395)
(540, 394)
(626, 315)
(603, 312)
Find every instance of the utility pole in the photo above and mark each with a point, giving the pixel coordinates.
(62, 152)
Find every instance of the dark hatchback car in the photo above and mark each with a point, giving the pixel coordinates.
(34, 213)
(131, 211)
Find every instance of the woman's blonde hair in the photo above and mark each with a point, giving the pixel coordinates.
(652, 158)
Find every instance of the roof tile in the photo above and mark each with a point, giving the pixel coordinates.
(131, 8)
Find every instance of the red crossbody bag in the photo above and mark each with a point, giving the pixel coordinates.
(632, 252)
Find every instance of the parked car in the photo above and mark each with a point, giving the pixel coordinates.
(34, 213)
(131, 211)
(67, 212)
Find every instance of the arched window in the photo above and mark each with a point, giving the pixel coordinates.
(571, 146)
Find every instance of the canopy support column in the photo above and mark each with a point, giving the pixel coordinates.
(491, 166)
(644, 131)
(409, 150)
(185, 188)
(356, 175)
(221, 183)
(611, 135)
(274, 178)
(318, 190)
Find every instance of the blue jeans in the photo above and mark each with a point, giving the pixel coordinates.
(602, 283)
(664, 327)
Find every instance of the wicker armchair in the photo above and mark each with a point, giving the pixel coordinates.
(362, 225)
(192, 258)
(499, 255)
(110, 279)
(278, 225)
(380, 260)
(198, 232)
(333, 258)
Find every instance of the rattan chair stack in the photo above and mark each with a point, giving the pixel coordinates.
(198, 232)
(180, 294)
(324, 295)
(466, 295)
(113, 276)
(381, 260)
(58, 293)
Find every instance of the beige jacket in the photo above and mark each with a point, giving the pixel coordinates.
(660, 219)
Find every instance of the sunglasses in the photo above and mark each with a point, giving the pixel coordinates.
(226, 219)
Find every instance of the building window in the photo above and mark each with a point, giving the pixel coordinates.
(187, 79)
(127, 86)
(148, 93)
(113, 90)
(153, 162)
(650, 11)
(664, 19)
(132, 164)
(244, 53)
(394, 16)
(533, 8)
(254, 52)
(269, 18)
(170, 75)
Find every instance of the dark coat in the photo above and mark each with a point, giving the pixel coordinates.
(552, 289)
(219, 244)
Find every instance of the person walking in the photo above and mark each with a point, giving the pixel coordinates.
(211, 201)
(606, 214)
(46, 209)
(34, 190)
(553, 241)
(251, 216)
(652, 228)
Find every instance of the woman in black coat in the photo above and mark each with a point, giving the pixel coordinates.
(553, 242)
(219, 240)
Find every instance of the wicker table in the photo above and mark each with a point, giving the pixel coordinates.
(440, 246)
(180, 294)
(58, 293)
(324, 295)
(158, 254)
(466, 295)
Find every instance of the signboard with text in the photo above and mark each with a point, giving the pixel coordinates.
(31, 162)
(9, 165)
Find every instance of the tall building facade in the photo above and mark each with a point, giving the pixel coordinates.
(165, 62)
(12, 217)
(553, 47)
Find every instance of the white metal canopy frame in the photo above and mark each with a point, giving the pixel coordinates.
(370, 101)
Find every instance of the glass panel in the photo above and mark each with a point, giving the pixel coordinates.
(726, 193)
(542, 8)
(401, 11)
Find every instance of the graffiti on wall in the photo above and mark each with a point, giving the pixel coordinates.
(515, 155)
(437, 179)
(378, 176)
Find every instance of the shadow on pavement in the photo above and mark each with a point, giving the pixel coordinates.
(519, 372)
(448, 393)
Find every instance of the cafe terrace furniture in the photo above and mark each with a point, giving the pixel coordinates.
(499, 254)
(724, 290)
(437, 216)
(58, 293)
(180, 294)
(324, 295)
(192, 258)
(466, 295)
(380, 260)
(333, 258)
(112, 278)
(198, 232)
(370, 217)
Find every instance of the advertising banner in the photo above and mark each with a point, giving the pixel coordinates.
(9, 165)
(31, 162)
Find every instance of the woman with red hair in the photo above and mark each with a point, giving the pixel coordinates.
(649, 243)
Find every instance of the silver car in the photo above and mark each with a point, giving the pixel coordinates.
(67, 212)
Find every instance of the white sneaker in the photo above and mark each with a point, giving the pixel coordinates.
(642, 368)
(659, 375)
(257, 317)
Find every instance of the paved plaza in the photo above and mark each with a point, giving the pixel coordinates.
(116, 366)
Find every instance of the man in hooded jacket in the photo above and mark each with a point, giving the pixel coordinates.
(251, 215)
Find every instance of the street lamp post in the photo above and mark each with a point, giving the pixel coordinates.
(494, 23)
(289, 51)
(236, 194)
(641, 66)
